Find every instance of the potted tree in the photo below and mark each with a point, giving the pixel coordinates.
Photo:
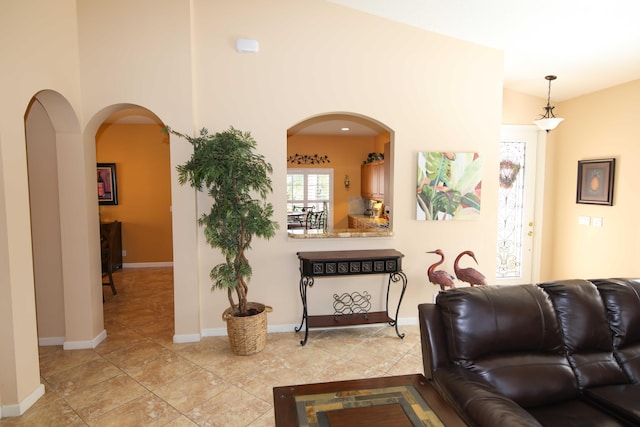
(238, 181)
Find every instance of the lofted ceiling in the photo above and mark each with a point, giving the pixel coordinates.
(589, 44)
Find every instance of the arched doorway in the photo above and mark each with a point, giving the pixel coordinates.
(64, 239)
(131, 140)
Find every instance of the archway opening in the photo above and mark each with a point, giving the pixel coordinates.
(51, 128)
(342, 162)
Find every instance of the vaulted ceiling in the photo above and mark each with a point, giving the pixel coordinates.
(589, 44)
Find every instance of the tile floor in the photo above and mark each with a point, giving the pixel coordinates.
(139, 377)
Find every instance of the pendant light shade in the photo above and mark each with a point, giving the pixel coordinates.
(548, 121)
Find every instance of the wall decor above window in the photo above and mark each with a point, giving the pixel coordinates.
(595, 181)
(307, 159)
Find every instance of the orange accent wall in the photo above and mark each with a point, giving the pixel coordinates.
(346, 154)
(382, 139)
(141, 155)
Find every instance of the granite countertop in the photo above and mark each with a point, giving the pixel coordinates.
(339, 232)
(370, 220)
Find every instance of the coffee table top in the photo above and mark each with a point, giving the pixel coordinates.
(405, 400)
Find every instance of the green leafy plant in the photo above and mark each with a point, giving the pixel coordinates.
(238, 182)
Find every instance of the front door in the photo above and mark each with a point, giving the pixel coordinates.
(516, 227)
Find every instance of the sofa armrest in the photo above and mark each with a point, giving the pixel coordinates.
(478, 402)
(434, 345)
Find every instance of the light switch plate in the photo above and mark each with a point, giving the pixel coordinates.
(597, 222)
(584, 220)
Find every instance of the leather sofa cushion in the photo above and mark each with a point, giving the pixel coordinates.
(528, 379)
(629, 358)
(434, 351)
(574, 413)
(622, 300)
(622, 399)
(587, 338)
(488, 320)
(509, 336)
(479, 402)
(621, 297)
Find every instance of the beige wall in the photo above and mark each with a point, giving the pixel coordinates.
(141, 154)
(177, 58)
(423, 91)
(45, 223)
(600, 125)
(39, 44)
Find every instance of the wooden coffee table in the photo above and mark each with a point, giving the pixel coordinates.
(399, 401)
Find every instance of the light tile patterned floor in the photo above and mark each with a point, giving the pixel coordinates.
(139, 377)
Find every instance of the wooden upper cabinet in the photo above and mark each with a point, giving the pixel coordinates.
(365, 180)
(372, 179)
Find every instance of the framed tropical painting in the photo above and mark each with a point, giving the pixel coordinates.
(449, 186)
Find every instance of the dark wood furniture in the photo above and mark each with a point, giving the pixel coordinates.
(390, 414)
(116, 250)
(346, 263)
(109, 240)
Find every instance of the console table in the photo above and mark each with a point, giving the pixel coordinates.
(347, 263)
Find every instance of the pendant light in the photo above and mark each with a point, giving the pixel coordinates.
(548, 121)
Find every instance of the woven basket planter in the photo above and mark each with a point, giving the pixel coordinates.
(248, 334)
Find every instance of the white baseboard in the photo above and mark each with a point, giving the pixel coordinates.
(184, 338)
(50, 341)
(214, 332)
(82, 345)
(16, 410)
(408, 321)
(222, 332)
(147, 264)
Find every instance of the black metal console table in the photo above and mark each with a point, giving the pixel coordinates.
(347, 263)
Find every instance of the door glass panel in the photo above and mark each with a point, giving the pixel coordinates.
(511, 210)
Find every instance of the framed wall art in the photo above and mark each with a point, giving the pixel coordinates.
(107, 184)
(595, 181)
(449, 186)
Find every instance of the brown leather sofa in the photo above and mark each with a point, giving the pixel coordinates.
(563, 353)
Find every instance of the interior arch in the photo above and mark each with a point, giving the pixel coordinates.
(131, 138)
(68, 311)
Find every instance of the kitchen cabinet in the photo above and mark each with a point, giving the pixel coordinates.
(372, 180)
